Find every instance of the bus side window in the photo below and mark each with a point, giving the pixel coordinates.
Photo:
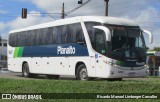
(64, 33)
(91, 32)
(54, 35)
(100, 41)
(80, 36)
(69, 37)
(49, 35)
(11, 40)
(15, 37)
(59, 35)
(80, 39)
(32, 36)
(75, 34)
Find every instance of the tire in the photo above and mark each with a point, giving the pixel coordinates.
(82, 73)
(25, 71)
(53, 77)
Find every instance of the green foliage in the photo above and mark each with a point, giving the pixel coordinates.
(147, 48)
(155, 49)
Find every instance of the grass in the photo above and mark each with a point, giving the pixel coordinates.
(152, 76)
(74, 86)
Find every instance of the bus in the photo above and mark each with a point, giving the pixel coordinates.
(86, 47)
(3, 53)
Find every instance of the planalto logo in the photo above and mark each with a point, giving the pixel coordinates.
(68, 50)
(139, 64)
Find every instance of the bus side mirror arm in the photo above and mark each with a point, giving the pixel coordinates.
(106, 30)
(150, 35)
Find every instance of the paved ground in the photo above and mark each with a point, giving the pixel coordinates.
(10, 75)
(19, 76)
(7, 74)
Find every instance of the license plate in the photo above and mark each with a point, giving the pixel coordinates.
(131, 74)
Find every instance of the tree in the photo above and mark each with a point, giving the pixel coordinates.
(156, 49)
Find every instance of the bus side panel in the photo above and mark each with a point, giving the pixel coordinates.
(15, 64)
(60, 65)
(40, 65)
(50, 65)
(102, 70)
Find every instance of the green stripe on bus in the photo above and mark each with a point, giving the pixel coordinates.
(119, 63)
(18, 52)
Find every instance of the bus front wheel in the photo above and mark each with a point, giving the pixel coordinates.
(82, 73)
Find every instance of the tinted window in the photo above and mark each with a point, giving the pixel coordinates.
(38, 37)
(22, 38)
(91, 32)
(15, 39)
(61, 34)
(64, 33)
(100, 41)
(5, 44)
(79, 35)
(49, 35)
(75, 33)
(69, 38)
(54, 35)
(31, 38)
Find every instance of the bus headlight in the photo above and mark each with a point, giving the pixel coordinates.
(116, 66)
(145, 65)
(111, 64)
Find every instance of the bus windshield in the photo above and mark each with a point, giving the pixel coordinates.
(126, 43)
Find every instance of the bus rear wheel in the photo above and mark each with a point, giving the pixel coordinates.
(82, 73)
(25, 71)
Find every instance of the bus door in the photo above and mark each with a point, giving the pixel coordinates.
(100, 47)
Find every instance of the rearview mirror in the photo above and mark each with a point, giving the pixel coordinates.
(150, 35)
(106, 30)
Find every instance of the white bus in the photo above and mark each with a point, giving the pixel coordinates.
(86, 47)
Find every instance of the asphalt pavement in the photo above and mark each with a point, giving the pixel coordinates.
(7, 74)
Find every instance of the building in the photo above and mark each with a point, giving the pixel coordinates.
(3, 53)
(153, 61)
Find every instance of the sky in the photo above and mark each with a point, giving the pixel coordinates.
(144, 12)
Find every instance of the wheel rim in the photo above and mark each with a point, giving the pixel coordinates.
(83, 74)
